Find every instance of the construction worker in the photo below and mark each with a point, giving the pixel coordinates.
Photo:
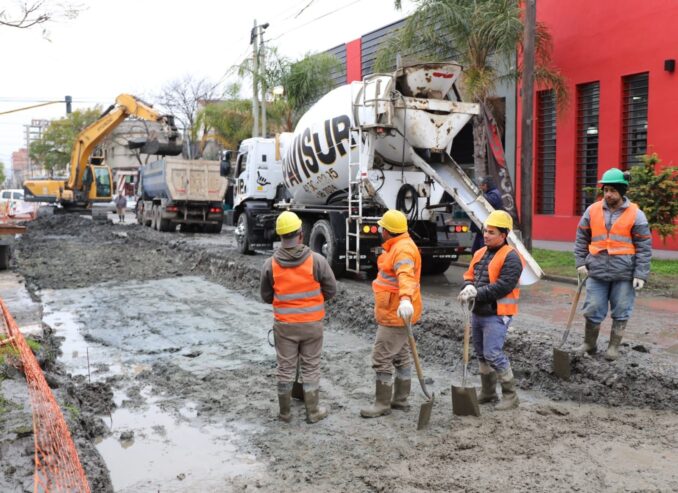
(120, 205)
(397, 298)
(491, 284)
(297, 281)
(614, 249)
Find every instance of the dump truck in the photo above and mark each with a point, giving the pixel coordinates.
(377, 144)
(173, 192)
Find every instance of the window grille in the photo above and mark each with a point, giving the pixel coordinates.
(546, 152)
(634, 115)
(588, 108)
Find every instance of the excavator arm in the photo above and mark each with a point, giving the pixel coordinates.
(125, 105)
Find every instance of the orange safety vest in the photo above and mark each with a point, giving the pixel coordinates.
(297, 297)
(507, 305)
(618, 240)
(399, 275)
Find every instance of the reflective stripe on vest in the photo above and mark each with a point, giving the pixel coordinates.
(297, 297)
(618, 240)
(508, 305)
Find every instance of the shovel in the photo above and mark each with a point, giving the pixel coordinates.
(465, 399)
(561, 358)
(426, 407)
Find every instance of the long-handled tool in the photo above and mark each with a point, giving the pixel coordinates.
(426, 407)
(465, 399)
(561, 358)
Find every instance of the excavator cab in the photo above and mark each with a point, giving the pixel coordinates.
(96, 183)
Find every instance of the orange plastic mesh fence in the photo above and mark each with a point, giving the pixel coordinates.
(57, 466)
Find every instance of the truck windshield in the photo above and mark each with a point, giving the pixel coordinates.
(103, 181)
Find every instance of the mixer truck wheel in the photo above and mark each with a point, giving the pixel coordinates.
(324, 241)
(242, 231)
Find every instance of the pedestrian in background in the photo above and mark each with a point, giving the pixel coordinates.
(297, 281)
(120, 205)
(613, 248)
(397, 299)
(491, 281)
(493, 196)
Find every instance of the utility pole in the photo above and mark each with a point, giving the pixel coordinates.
(262, 67)
(527, 125)
(69, 100)
(254, 41)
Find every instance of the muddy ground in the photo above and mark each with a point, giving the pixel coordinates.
(179, 367)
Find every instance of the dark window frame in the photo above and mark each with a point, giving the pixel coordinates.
(545, 176)
(635, 97)
(588, 128)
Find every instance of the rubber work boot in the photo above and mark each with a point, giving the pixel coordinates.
(616, 334)
(314, 412)
(488, 392)
(284, 400)
(591, 332)
(509, 396)
(382, 404)
(401, 391)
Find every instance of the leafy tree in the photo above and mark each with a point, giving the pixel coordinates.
(53, 150)
(482, 35)
(2, 174)
(656, 193)
(228, 121)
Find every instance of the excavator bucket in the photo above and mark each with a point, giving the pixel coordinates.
(155, 147)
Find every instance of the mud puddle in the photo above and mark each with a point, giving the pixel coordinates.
(116, 333)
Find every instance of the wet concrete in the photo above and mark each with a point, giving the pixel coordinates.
(174, 364)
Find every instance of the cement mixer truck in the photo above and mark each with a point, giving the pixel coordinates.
(377, 144)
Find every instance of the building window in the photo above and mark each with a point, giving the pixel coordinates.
(588, 106)
(546, 152)
(634, 114)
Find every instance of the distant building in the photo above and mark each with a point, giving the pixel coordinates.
(19, 167)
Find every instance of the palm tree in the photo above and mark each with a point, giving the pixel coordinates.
(483, 36)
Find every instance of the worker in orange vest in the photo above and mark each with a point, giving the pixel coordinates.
(491, 284)
(297, 281)
(397, 298)
(613, 248)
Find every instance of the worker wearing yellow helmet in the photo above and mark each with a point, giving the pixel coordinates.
(297, 282)
(397, 298)
(491, 285)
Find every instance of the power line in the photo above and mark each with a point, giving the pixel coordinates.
(30, 107)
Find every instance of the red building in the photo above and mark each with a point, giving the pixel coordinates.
(619, 59)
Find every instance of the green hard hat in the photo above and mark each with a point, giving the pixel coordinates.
(614, 176)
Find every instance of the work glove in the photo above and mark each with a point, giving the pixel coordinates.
(582, 271)
(638, 284)
(467, 293)
(405, 309)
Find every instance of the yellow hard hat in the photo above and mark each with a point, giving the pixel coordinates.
(499, 219)
(393, 221)
(287, 222)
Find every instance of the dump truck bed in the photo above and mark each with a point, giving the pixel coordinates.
(183, 180)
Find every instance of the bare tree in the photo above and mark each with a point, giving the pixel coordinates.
(183, 97)
(27, 14)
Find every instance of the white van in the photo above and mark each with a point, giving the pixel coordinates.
(11, 201)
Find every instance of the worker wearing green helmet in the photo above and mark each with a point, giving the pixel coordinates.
(613, 249)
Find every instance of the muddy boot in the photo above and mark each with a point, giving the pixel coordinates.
(284, 400)
(382, 404)
(590, 338)
(401, 391)
(488, 378)
(616, 335)
(509, 396)
(314, 412)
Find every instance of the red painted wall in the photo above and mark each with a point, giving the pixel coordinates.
(354, 62)
(604, 40)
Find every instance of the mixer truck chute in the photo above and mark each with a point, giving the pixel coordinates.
(381, 143)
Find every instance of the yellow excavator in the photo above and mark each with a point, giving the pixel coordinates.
(89, 180)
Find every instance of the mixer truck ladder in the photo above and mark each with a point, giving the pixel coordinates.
(372, 108)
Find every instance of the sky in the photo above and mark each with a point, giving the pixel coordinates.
(138, 46)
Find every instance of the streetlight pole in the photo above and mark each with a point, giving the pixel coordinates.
(262, 66)
(527, 126)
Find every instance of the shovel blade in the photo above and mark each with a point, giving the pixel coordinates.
(561, 363)
(425, 413)
(465, 401)
(298, 391)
